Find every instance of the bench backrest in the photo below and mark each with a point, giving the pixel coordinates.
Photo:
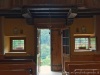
(84, 69)
(78, 62)
(16, 68)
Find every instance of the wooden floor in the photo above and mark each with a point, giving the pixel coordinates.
(45, 70)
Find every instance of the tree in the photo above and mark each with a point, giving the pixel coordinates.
(45, 47)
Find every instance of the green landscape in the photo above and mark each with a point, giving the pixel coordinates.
(45, 47)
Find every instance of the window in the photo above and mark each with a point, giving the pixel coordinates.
(17, 44)
(66, 41)
(85, 43)
(93, 43)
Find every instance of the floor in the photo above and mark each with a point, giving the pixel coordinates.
(45, 70)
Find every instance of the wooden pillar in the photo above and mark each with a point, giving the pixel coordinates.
(98, 32)
(1, 37)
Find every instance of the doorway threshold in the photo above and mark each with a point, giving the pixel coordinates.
(46, 70)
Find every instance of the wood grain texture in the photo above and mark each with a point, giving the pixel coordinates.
(98, 32)
(7, 4)
(78, 62)
(84, 69)
(56, 49)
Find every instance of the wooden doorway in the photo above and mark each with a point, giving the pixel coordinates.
(44, 50)
(55, 50)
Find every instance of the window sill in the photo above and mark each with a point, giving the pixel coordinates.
(16, 54)
(84, 50)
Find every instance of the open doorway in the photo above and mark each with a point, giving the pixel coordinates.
(48, 61)
(44, 51)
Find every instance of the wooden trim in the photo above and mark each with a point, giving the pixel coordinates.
(57, 67)
(15, 61)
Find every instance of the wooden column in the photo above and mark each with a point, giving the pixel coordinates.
(98, 32)
(1, 37)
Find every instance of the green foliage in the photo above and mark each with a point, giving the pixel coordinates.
(45, 47)
(45, 36)
(46, 61)
(45, 50)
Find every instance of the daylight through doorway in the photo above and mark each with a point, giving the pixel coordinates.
(45, 50)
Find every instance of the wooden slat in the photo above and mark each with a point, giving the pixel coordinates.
(16, 3)
(16, 66)
(5, 4)
(16, 60)
(84, 69)
(14, 73)
(78, 62)
(92, 3)
(20, 68)
(32, 2)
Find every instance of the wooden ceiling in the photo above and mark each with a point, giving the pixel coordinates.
(49, 8)
(8, 4)
(48, 12)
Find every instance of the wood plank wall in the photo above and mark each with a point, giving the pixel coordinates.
(8, 27)
(95, 57)
(50, 22)
(92, 56)
(7, 4)
(92, 3)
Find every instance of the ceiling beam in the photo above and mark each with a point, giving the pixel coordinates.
(45, 11)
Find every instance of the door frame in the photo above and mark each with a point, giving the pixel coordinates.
(38, 52)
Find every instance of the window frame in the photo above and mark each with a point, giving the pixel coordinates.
(95, 42)
(89, 42)
(17, 38)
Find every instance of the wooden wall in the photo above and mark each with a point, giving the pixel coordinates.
(24, 30)
(78, 23)
(50, 22)
(76, 28)
(88, 23)
(93, 27)
(29, 31)
(7, 4)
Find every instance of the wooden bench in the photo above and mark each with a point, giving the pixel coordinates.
(11, 67)
(77, 62)
(84, 69)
